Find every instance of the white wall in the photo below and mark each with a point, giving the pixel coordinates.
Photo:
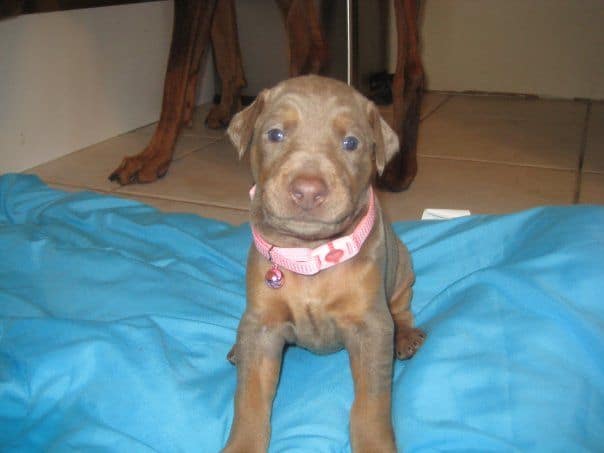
(73, 78)
(551, 48)
(544, 47)
(263, 44)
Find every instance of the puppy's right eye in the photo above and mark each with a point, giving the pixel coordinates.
(350, 143)
(276, 135)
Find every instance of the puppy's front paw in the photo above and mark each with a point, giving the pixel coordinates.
(407, 342)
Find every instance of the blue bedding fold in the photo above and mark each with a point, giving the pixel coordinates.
(115, 320)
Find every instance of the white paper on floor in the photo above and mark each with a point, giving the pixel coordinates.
(444, 214)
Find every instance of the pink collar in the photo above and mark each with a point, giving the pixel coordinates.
(311, 261)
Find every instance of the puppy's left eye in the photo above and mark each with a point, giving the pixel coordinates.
(276, 135)
(350, 143)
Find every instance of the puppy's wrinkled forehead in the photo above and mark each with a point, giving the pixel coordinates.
(300, 102)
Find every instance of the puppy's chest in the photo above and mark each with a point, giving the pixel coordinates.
(322, 307)
(313, 326)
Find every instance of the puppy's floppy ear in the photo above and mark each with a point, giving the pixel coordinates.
(241, 129)
(385, 139)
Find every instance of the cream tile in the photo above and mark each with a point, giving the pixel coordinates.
(493, 106)
(594, 151)
(91, 166)
(212, 175)
(543, 133)
(198, 129)
(592, 188)
(483, 188)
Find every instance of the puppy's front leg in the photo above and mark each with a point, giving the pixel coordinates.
(259, 351)
(370, 347)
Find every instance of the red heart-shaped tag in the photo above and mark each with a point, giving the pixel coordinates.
(334, 256)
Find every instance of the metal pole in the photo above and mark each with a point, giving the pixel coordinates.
(349, 44)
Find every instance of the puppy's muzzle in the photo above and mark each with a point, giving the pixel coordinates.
(308, 192)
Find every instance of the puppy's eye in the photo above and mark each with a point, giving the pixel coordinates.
(350, 143)
(276, 135)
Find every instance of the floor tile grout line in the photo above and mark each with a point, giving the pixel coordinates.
(183, 133)
(582, 149)
(181, 200)
(123, 191)
(50, 181)
(495, 162)
(435, 109)
(194, 150)
(193, 203)
(116, 191)
(210, 205)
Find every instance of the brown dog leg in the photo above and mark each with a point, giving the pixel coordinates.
(307, 45)
(259, 352)
(190, 35)
(407, 91)
(227, 57)
(370, 347)
(194, 71)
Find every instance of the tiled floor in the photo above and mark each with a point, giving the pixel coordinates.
(488, 154)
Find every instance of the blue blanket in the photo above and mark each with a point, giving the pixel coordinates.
(115, 320)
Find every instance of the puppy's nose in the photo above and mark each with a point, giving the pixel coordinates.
(308, 192)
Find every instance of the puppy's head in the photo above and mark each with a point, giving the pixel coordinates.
(315, 146)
